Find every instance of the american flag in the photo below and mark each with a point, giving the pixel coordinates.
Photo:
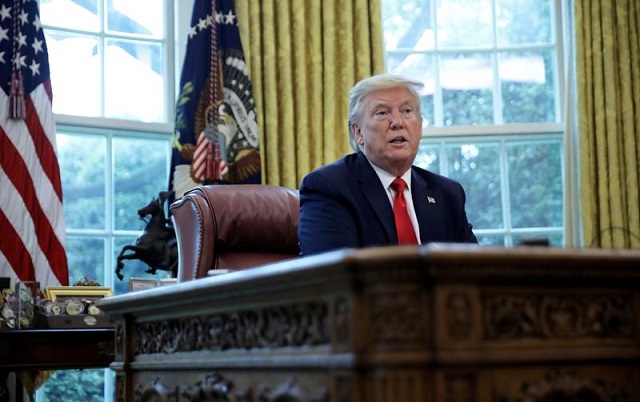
(216, 129)
(32, 227)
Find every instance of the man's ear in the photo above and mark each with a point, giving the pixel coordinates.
(357, 134)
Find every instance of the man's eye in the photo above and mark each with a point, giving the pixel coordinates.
(407, 110)
(381, 112)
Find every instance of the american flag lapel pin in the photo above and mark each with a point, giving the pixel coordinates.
(431, 200)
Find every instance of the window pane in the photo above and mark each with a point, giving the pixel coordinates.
(85, 385)
(81, 15)
(467, 81)
(86, 258)
(490, 240)
(523, 21)
(407, 24)
(427, 157)
(75, 70)
(95, 74)
(528, 89)
(141, 17)
(465, 23)
(477, 168)
(134, 84)
(140, 173)
(132, 268)
(82, 171)
(535, 181)
(555, 239)
(419, 67)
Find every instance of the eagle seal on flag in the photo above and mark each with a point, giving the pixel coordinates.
(216, 130)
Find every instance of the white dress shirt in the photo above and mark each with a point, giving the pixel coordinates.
(386, 178)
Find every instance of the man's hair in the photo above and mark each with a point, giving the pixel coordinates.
(372, 84)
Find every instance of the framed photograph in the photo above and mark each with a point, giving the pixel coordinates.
(149, 283)
(168, 281)
(64, 293)
(136, 284)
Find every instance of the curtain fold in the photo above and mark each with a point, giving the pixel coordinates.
(608, 85)
(304, 57)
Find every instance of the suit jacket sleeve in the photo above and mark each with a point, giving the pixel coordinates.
(326, 222)
(464, 228)
(440, 208)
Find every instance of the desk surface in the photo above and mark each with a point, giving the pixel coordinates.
(49, 349)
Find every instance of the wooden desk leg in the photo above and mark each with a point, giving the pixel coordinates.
(4, 388)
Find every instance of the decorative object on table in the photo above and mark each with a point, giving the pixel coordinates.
(62, 293)
(73, 307)
(50, 307)
(156, 246)
(86, 282)
(7, 309)
(17, 307)
(62, 307)
(27, 296)
(136, 284)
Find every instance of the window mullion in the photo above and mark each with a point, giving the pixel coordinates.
(505, 188)
(438, 112)
(102, 49)
(495, 60)
(497, 89)
(110, 160)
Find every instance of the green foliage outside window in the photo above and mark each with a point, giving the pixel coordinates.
(75, 385)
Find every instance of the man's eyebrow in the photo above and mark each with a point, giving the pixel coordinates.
(380, 104)
(383, 104)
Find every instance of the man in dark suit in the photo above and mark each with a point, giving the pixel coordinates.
(351, 202)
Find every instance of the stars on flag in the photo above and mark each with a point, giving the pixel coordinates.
(23, 58)
(204, 23)
(5, 12)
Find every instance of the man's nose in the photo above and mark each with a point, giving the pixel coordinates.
(396, 120)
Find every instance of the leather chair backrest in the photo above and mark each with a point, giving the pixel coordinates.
(234, 226)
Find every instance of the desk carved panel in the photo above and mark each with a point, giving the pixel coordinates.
(216, 387)
(549, 316)
(304, 324)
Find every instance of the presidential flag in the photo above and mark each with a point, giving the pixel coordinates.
(216, 130)
(32, 224)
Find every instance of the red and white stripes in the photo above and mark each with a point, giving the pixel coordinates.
(32, 226)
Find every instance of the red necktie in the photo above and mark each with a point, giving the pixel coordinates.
(404, 228)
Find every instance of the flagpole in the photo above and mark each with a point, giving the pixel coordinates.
(213, 157)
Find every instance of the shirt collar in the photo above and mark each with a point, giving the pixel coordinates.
(386, 178)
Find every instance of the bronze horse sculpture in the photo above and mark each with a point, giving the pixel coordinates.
(156, 246)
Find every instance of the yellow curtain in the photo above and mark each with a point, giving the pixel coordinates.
(304, 56)
(608, 84)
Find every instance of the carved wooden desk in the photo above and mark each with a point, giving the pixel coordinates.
(432, 323)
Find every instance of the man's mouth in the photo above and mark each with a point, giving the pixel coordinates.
(397, 140)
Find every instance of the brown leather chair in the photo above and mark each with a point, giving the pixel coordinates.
(234, 226)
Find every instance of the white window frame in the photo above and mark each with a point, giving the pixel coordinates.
(564, 106)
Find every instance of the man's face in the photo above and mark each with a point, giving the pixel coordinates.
(390, 129)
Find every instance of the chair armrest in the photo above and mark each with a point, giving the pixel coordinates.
(194, 226)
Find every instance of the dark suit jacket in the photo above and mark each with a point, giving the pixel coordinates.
(343, 204)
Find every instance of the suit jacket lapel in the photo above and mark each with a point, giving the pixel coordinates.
(426, 207)
(375, 194)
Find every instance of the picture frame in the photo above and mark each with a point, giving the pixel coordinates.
(168, 281)
(136, 284)
(64, 293)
